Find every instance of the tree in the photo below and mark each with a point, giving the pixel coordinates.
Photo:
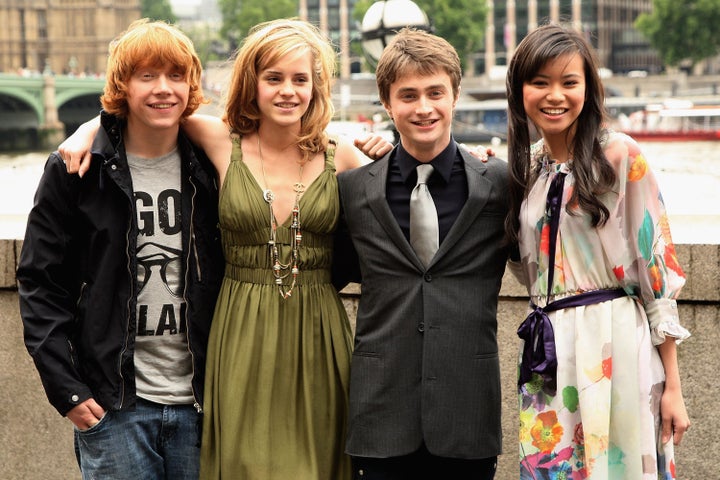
(460, 22)
(157, 10)
(682, 31)
(207, 42)
(241, 15)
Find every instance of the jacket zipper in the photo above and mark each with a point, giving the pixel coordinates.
(193, 245)
(71, 346)
(129, 313)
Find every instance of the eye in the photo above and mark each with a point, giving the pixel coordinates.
(177, 76)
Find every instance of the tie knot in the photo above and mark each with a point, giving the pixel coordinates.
(423, 172)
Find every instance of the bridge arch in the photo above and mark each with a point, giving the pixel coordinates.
(34, 109)
(15, 97)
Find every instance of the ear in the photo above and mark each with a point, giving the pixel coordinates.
(388, 110)
(455, 100)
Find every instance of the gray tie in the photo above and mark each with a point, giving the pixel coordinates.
(424, 232)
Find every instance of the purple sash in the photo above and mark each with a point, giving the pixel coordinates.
(539, 355)
(537, 331)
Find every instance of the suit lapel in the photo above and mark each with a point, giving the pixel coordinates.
(479, 189)
(377, 200)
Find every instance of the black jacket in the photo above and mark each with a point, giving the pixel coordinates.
(77, 276)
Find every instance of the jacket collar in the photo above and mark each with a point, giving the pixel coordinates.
(479, 189)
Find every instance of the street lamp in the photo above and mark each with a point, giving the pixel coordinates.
(382, 21)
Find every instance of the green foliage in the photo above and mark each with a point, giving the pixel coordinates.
(360, 8)
(241, 15)
(157, 10)
(207, 43)
(460, 22)
(682, 30)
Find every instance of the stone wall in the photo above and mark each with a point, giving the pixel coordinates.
(37, 442)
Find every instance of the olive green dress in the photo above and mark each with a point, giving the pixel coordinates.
(277, 369)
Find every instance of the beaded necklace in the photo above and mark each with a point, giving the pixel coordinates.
(282, 270)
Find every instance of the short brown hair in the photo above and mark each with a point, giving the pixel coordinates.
(143, 44)
(416, 51)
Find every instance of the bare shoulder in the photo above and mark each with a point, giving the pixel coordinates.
(346, 156)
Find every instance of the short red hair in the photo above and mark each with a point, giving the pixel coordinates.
(147, 43)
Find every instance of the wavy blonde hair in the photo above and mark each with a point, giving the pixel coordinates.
(144, 44)
(266, 44)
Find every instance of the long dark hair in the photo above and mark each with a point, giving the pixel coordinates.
(593, 173)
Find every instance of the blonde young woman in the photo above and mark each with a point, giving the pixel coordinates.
(279, 351)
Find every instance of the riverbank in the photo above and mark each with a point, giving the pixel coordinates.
(688, 174)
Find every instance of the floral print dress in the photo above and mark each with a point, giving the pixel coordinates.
(603, 421)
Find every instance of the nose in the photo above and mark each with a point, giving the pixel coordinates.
(162, 85)
(287, 88)
(555, 93)
(424, 106)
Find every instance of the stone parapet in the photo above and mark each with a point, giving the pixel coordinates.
(37, 442)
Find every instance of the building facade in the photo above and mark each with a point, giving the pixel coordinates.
(334, 18)
(608, 24)
(61, 36)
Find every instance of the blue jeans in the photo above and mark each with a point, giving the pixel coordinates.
(152, 442)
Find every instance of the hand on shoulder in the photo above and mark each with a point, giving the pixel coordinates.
(75, 150)
(373, 146)
(480, 152)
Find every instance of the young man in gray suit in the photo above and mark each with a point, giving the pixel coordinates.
(425, 380)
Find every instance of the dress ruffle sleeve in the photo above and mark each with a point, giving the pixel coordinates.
(648, 268)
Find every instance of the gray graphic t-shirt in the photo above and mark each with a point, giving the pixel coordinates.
(163, 366)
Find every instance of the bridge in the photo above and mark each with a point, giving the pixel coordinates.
(37, 111)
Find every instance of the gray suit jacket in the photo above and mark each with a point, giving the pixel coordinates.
(425, 364)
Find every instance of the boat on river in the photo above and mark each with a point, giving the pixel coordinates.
(480, 121)
(672, 121)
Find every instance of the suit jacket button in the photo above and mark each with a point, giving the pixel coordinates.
(421, 327)
(427, 277)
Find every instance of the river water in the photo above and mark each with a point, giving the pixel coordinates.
(688, 173)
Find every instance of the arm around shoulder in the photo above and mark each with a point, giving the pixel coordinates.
(213, 136)
(75, 150)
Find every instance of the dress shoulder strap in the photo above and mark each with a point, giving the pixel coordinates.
(236, 155)
(330, 153)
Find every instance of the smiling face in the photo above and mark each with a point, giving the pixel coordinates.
(157, 96)
(553, 100)
(422, 108)
(284, 89)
